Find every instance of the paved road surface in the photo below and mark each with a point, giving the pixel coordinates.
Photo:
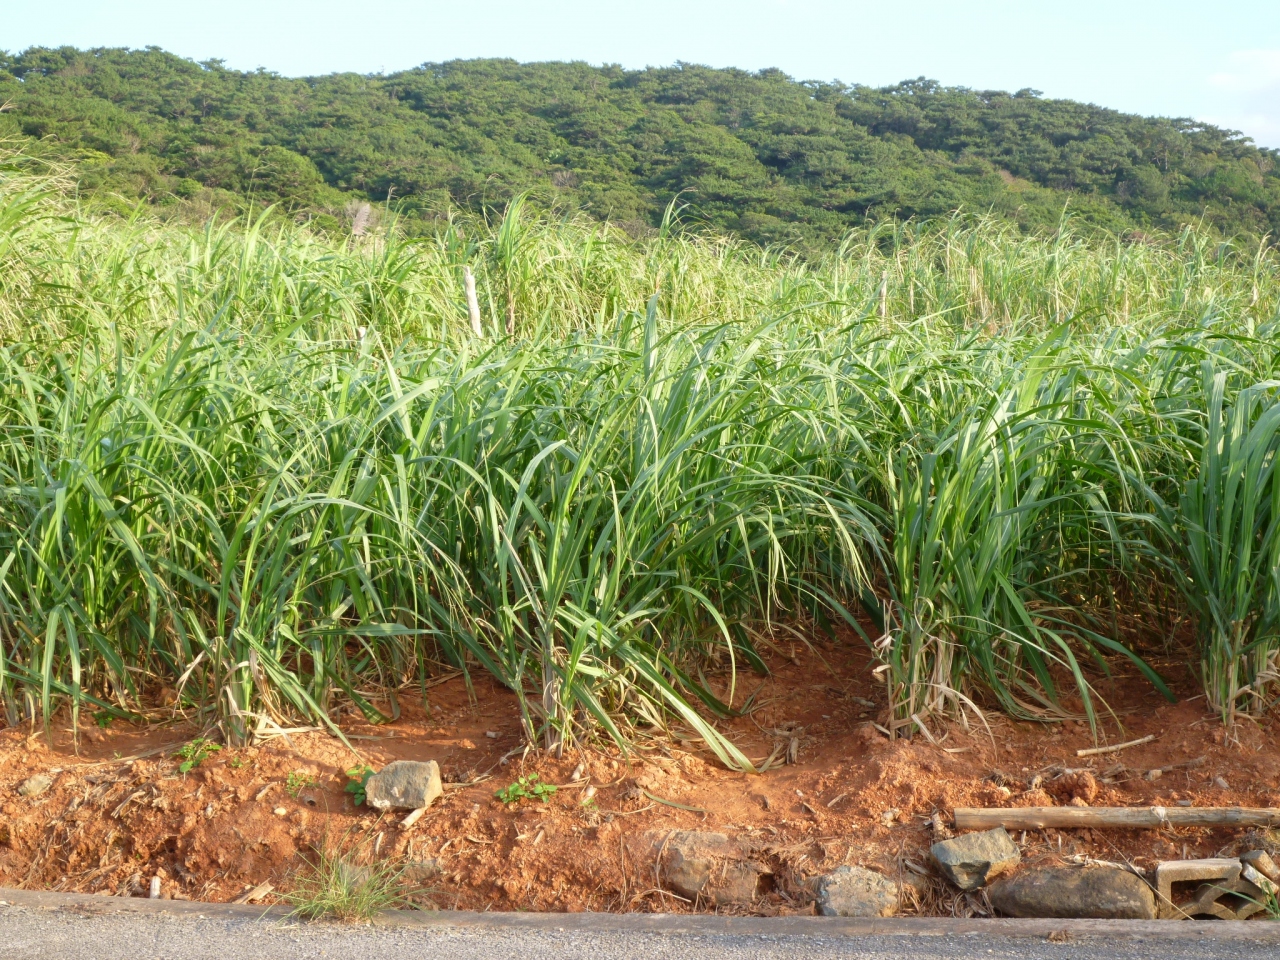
(37, 927)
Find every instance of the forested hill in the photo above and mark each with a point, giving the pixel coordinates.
(756, 154)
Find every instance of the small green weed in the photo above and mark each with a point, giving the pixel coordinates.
(102, 719)
(526, 788)
(235, 763)
(298, 781)
(359, 777)
(195, 753)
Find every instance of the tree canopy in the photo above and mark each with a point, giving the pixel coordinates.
(760, 155)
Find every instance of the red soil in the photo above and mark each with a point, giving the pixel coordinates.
(851, 796)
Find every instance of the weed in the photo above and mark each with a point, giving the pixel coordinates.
(298, 781)
(333, 885)
(526, 788)
(359, 780)
(195, 752)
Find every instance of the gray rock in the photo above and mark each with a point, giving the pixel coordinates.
(708, 865)
(34, 786)
(419, 871)
(404, 785)
(856, 892)
(970, 860)
(1092, 892)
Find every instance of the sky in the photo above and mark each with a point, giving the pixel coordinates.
(1214, 60)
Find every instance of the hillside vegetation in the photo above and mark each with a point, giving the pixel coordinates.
(756, 155)
(256, 475)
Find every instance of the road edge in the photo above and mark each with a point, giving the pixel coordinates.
(91, 905)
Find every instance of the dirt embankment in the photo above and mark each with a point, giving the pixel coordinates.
(244, 817)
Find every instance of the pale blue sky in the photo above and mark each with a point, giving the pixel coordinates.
(1216, 60)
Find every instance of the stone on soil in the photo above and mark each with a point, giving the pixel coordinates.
(404, 785)
(1092, 892)
(34, 786)
(856, 892)
(708, 865)
(419, 871)
(1261, 861)
(970, 860)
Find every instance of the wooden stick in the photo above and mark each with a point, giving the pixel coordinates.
(1068, 818)
(257, 893)
(412, 818)
(1095, 751)
(473, 305)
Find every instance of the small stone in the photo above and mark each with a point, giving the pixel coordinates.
(34, 786)
(1221, 783)
(970, 860)
(418, 871)
(888, 816)
(1092, 892)
(1154, 774)
(1256, 877)
(404, 785)
(279, 811)
(1261, 861)
(856, 892)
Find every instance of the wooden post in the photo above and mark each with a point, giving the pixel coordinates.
(473, 305)
(1124, 818)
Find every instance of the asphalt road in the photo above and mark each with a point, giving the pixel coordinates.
(85, 929)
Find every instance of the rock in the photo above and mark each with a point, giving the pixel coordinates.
(708, 865)
(1255, 876)
(970, 860)
(737, 882)
(404, 785)
(1092, 892)
(418, 871)
(1221, 783)
(351, 876)
(1261, 861)
(34, 786)
(856, 892)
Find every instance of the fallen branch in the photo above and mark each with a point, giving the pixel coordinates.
(1068, 818)
(672, 803)
(1095, 751)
